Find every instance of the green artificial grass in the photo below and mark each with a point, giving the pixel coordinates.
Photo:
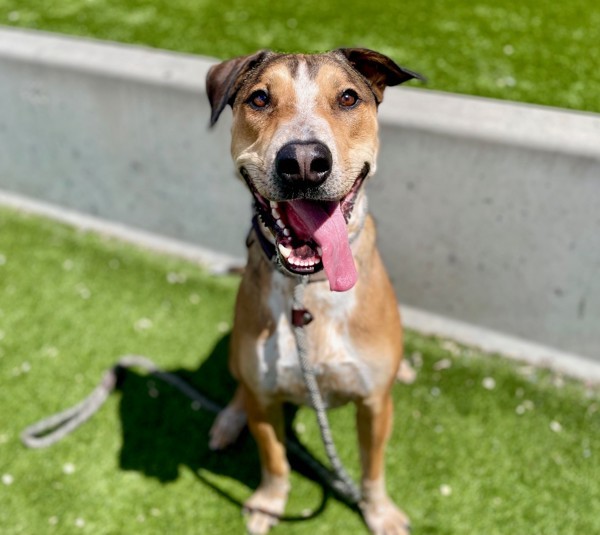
(534, 51)
(480, 444)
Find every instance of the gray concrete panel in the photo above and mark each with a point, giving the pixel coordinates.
(120, 133)
(488, 212)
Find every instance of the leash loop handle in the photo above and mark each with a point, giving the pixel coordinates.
(52, 429)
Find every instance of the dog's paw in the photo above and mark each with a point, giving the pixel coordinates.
(227, 428)
(263, 510)
(384, 518)
(406, 373)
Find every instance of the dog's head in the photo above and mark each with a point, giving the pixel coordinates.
(304, 138)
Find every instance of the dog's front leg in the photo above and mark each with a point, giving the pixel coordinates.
(374, 422)
(267, 504)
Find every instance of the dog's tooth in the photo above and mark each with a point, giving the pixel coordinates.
(286, 232)
(273, 204)
(319, 251)
(275, 213)
(285, 251)
(280, 223)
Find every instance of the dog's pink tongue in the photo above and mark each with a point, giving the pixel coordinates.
(325, 224)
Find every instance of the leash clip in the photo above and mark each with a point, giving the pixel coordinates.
(301, 317)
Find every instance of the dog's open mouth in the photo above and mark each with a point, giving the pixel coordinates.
(312, 235)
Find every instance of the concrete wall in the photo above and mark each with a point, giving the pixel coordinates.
(121, 133)
(488, 212)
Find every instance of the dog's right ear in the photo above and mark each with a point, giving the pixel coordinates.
(223, 80)
(379, 70)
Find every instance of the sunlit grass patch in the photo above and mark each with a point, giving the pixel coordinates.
(480, 444)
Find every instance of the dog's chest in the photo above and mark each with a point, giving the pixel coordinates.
(341, 371)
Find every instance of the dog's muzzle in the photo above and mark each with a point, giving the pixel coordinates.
(310, 235)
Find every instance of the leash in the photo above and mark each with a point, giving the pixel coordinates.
(54, 428)
(51, 430)
(300, 318)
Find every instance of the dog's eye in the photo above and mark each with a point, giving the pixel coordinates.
(348, 98)
(258, 99)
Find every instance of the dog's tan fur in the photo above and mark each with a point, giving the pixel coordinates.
(355, 340)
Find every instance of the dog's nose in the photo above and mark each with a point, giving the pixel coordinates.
(304, 164)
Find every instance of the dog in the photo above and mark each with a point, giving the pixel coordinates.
(305, 140)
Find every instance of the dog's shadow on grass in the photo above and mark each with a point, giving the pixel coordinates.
(163, 431)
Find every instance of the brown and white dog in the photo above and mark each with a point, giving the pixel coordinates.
(304, 139)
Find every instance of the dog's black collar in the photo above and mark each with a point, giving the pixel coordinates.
(267, 247)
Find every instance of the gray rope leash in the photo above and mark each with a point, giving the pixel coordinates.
(54, 428)
(300, 318)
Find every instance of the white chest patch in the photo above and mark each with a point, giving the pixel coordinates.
(342, 374)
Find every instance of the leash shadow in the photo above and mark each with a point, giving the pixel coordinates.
(163, 432)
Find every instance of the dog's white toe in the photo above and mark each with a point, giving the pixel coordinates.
(384, 518)
(263, 510)
(259, 523)
(406, 373)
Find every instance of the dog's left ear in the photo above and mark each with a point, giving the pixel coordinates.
(223, 81)
(379, 70)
